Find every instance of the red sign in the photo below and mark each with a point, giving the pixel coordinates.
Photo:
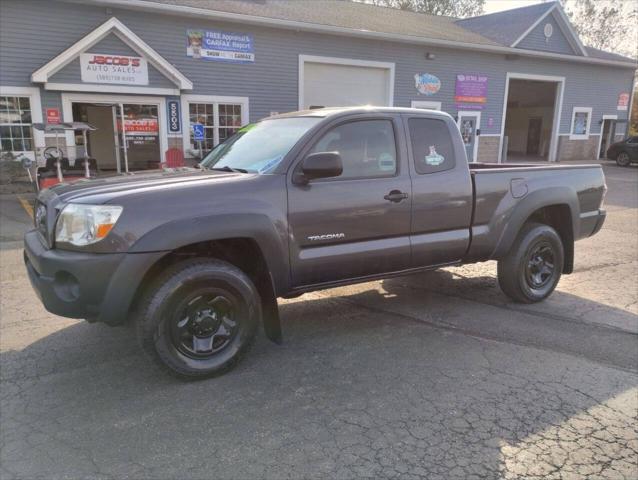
(53, 115)
(139, 126)
(111, 60)
(623, 101)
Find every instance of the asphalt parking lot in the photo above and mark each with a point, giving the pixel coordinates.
(431, 376)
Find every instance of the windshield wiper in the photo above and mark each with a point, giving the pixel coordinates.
(226, 168)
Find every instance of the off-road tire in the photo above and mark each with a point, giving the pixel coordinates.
(161, 302)
(515, 276)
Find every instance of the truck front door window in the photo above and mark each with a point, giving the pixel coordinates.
(367, 148)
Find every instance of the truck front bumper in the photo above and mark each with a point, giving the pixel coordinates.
(93, 286)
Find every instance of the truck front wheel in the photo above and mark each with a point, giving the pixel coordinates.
(199, 318)
(531, 270)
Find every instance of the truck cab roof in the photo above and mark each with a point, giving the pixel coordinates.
(338, 111)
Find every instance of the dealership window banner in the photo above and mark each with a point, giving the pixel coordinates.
(471, 91)
(113, 69)
(220, 46)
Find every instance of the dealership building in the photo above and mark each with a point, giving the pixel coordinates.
(520, 83)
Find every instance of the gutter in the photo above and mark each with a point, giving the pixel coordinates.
(201, 13)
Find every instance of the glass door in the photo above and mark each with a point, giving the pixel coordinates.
(469, 124)
(138, 132)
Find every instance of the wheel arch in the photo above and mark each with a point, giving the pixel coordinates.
(557, 207)
(244, 253)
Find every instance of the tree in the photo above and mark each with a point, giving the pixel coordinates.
(450, 8)
(610, 25)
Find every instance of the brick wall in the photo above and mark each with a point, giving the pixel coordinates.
(577, 149)
(488, 149)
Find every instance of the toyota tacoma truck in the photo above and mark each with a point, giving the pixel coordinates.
(303, 201)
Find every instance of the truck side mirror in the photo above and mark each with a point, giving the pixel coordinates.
(319, 165)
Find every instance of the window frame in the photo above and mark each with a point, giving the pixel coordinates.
(215, 101)
(321, 134)
(35, 105)
(580, 136)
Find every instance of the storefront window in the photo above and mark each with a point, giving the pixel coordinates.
(220, 120)
(16, 134)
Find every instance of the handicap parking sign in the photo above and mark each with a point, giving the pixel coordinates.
(198, 132)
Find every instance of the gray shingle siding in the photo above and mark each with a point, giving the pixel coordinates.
(29, 41)
(557, 43)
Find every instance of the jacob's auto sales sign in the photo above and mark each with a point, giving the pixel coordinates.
(118, 69)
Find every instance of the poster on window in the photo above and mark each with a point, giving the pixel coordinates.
(220, 46)
(471, 91)
(140, 131)
(580, 123)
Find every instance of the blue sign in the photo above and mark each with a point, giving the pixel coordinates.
(174, 119)
(220, 46)
(198, 132)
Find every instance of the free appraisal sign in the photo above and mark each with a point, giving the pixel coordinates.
(220, 46)
(113, 69)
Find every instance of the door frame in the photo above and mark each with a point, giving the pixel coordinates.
(68, 99)
(425, 104)
(558, 109)
(602, 129)
(471, 113)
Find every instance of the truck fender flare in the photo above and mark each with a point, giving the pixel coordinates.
(524, 209)
(272, 239)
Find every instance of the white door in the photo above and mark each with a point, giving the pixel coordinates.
(469, 123)
(336, 85)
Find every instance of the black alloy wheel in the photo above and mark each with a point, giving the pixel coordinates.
(540, 265)
(204, 323)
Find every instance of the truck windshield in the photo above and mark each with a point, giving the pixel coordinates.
(259, 147)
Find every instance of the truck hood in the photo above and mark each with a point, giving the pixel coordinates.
(104, 189)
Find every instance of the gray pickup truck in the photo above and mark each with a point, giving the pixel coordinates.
(294, 203)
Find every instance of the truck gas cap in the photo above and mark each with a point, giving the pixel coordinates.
(518, 187)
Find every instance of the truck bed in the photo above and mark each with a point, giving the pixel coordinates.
(502, 192)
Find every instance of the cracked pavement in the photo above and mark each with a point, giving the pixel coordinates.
(431, 376)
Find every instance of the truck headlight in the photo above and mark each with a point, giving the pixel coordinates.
(82, 225)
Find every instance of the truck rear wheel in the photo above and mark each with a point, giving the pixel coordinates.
(532, 268)
(199, 318)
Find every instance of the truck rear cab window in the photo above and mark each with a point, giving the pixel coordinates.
(367, 148)
(432, 147)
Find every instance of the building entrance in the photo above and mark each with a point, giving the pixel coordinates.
(127, 136)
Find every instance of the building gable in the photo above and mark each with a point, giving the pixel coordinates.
(566, 42)
(548, 36)
(111, 34)
(109, 46)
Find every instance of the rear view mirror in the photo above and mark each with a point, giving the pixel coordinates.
(320, 165)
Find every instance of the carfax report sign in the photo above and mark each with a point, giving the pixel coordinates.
(220, 46)
(118, 69)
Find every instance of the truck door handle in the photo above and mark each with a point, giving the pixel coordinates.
(396, 196)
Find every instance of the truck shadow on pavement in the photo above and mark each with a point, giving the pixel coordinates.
(388, 378)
